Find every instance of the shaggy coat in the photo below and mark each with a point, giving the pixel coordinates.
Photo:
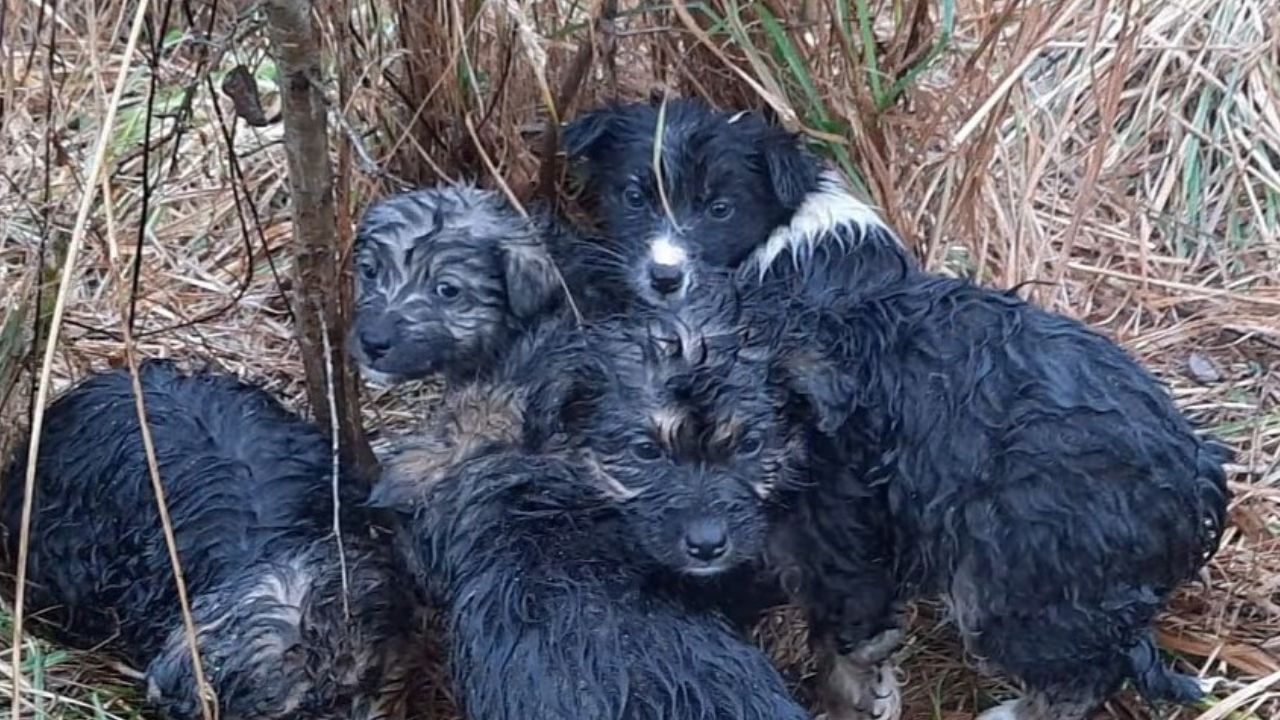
(552, 612)
(733, 192)
(969, 444)
(248, 487)
(448, 277)
(551, 564)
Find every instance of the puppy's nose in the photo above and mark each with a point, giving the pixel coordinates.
(665, 279)
(706, 539)
(375, 342)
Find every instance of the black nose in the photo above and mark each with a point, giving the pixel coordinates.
(376, 341)
(665, 279)
(706, 539)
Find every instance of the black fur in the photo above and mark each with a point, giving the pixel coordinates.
(248, 490)
(969, 444)
(559, 593)
(552, 612)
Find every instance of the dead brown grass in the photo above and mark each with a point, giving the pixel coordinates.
(1126, 154)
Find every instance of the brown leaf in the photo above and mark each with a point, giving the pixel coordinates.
(240, 86)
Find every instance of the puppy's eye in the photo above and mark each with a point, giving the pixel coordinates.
(633, 197)
(646, 450)
(750, 446)
(368, 268)
(720, 210)
(447, 290)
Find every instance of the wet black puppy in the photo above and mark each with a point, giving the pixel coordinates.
(448, 277)
(968, 444)
(562, 587)
(706, 455)
(282, 633)
(552, 611)
(732, 192)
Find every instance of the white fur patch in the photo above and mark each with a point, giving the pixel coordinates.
(1007, 710)
(377, 377)
(824, 210)
(664, 251)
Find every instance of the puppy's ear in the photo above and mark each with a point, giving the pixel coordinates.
(586, 135)
(531, 277)
(793, 170)
(819, 383)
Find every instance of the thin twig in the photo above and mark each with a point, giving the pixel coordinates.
(335, 441)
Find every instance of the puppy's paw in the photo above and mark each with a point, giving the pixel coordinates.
(875, 650)
(854, 691)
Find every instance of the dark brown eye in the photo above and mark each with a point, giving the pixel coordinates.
(633, 197)
(750, 446)
(447, 290)
(720, 210)
(646, 450)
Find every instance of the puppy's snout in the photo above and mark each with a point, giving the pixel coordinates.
(377, 339)
(706, 540)
(665, 279)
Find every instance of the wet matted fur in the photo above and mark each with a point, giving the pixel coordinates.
(735, 192)
(969, 444)
(555, 603)
(249, 493)
(448, 277)
(552, 610)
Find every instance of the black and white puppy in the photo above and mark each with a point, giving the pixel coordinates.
(288, 625)
(448, 277)
(729, 191)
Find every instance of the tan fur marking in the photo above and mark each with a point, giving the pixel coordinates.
(608, 483)
(727, 432)
(666, 425)
(471, 417)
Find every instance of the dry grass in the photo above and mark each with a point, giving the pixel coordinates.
(1126, 155)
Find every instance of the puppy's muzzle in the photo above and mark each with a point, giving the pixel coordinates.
(665, 279)
(667, 268)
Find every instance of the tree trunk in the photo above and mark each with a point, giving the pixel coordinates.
(319, 274)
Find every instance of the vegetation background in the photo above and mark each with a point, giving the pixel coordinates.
(1120, 159)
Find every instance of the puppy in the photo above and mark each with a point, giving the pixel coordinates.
(730, 192)
(706, 455)
(968, 444)
(282, 633)
(552, 612)
(448, 278)
(554, 565)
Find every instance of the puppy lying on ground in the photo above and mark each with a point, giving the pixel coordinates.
(447, 278)
(554, 582)
(733, 193)
(248, 490)
(968, 444)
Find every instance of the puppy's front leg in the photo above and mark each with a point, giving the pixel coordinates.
(858, 679)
